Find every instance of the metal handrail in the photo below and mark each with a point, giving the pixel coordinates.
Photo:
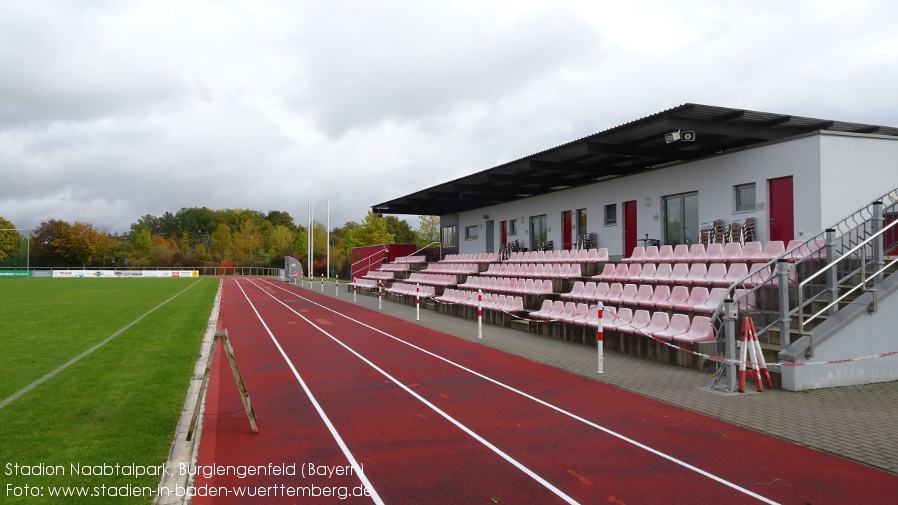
(846, 256)
(352, 267)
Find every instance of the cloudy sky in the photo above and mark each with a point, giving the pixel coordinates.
(114, 109)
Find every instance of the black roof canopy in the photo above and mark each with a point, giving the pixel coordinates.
(624, 150)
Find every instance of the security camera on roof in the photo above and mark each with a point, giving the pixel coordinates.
(672, 136)
(687, 136)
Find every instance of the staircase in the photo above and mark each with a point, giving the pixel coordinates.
(814, 301)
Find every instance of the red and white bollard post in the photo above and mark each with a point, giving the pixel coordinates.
(380, 287)
(336, 285)
(479, 313)
(355, 289)
(322, 283)
(417, 302)
(600, 340)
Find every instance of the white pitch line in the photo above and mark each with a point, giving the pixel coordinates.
(615, 434)
(77, 358)
(520, 466)
(321, 413)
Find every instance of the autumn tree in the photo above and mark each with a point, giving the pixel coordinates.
(428, 230)
(11, 243)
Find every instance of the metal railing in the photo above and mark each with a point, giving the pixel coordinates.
(368, 263)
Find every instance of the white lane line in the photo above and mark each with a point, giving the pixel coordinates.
(520, 466)
(615, 434)
(352, 461)
(78, 358)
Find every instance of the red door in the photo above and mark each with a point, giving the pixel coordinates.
(566, 230)
(629, 227)
(780, 209)
(503, 233)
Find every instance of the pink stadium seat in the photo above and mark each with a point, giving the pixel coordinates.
(644, 293)
(650, 254)
(678, 274)
(615, 289)
(641, 319)
(678, 295)
(660, 322)
(589, 292)
(773, 249)
(627, 296)
(601, 254)
(713, 253)
(542, 289)
(662, 272)
(697, 252)
(736, 272)
(574, 270)
(679, 325)
(648, 271)
(665, 254)
(544, 311)
(660, 294)
(760, 274)
(621, 272)
(636, 256)
(752, 251)
(601, 291)
(699, 331)
(811, 251)
(634, 271)
(576, 311)
(612, 319)
(697, 297)
(697, 272)
(732, 252)
(681, 253)
(716, 272)
(607, 274)
(715, 298)
(591, 315)
(576, 291)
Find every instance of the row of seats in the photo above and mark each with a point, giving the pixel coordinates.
(659, 324)
(453, 268)
(535, 270)
(661, 297)
(732, 252)
(563, 256)
(492, 301)
(433, 279)
(471, 258)
(411, 259)
(379, 275)
(364, 283)
(509, 285)
(404, 289)
(698, 274)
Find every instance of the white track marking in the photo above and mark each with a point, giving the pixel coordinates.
(352, 461)
(77, 358)
(549, 405)
(520, 466)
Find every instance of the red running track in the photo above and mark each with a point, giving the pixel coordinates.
(409, 415)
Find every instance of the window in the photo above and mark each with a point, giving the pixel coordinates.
(539, 231)
(449, 236)
(681, 219)
(471, 232)
(611, 214)
(512, 227)
(581, 222)
(745, 197)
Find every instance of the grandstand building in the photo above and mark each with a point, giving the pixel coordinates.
(691, 174)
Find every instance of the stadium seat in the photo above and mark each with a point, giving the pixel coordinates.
(697, 272)
(607, 274)
(615, 289)
(665, 254)
(627, 296)
(681, 253)
(752, 251)
(641, 320)
(662, 272)
(621, 317)
(732, 252)
(650, 254)
(773, 249)
(644, 293)
(601, 291)
(679, 325)
(697, 252)
(648, 271)
(576, 311)
(699, 331)
(716, 272)
(715, 298)
(591, 315)
(678, 274)
(544, 311)
(576, 291)
(713, 253)
(698, 296)
(589, 291)
(636, 256)
(660, 294)
(677, 295)
(736, 272)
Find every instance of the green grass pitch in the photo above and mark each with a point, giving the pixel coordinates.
(118, 405)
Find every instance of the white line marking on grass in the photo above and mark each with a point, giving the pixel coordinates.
(520, 466)
(549, 405)
(77, 358)
(321, 413)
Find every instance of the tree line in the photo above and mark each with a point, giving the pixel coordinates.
(202, 237)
